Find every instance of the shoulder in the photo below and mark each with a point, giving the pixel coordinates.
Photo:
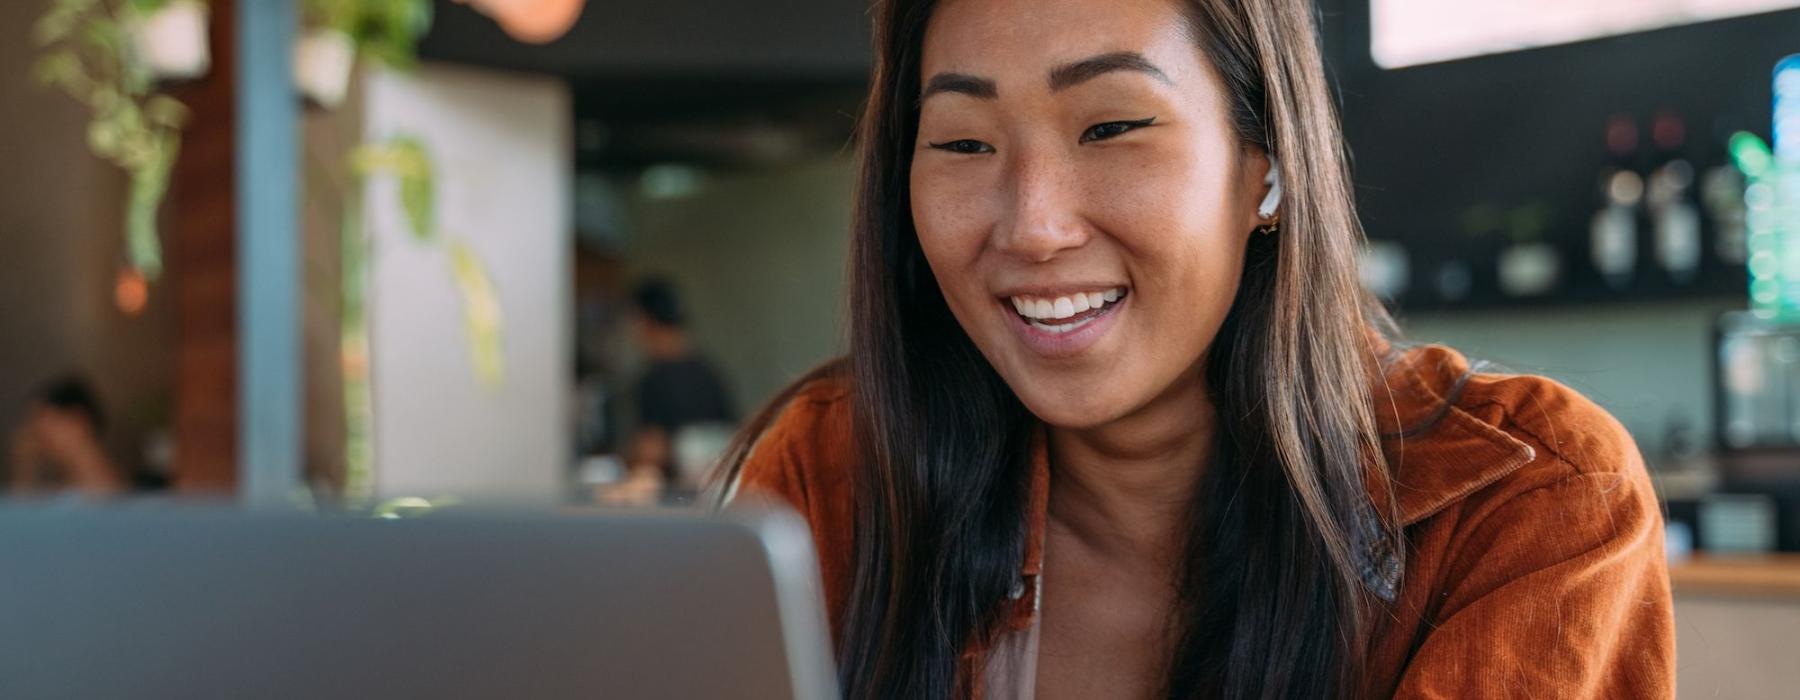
(1533, 530)
(1491, 436)
(1573, 434)
(1523, 475)
(802, 456)
(804, 459)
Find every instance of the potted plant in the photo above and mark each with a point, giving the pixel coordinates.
(169, 38)
(106, 54)
(340, 31)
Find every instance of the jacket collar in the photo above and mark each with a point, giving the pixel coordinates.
(1438, 453)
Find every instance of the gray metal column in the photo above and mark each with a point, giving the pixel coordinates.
(268, 250)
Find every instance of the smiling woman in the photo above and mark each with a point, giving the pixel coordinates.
(1118, 421)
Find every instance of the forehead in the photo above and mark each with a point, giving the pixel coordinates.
(1022, 39)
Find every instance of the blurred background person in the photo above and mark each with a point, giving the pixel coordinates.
(684, 412)
(58, 448)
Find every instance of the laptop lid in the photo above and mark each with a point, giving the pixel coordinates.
(202, 604)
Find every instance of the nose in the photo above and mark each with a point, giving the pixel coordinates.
(1042, 217)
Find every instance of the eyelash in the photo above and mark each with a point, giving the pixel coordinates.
(1093, 132)
(965, 147)
(1097, 132)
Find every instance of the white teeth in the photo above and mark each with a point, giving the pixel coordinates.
(1061, 328)
(1042, 309)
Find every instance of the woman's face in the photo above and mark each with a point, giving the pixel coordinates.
(1081, 197)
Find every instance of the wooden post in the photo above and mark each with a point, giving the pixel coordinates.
(203, 271)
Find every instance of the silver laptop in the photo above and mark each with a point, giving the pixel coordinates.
(222, 604)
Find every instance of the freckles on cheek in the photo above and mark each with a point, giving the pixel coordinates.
(1159, 208)
(1143, 209)
(948, 218)
(1173, 217)
(949, 234)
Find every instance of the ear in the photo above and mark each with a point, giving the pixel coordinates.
(1262, 180)
(1271, 201)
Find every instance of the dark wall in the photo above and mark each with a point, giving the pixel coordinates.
(724, 83)
(1431, 142)
(759, 39)
(721, 84)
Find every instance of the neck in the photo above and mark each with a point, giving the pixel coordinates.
(1123, 489)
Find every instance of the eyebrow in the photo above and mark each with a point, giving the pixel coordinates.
(960, 83)
(1071, 74)
(1061, 77)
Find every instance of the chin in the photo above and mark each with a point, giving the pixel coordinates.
(1072, 408)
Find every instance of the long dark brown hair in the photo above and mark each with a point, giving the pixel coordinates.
(1283, 528)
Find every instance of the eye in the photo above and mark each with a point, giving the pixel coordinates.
(1107, 130)
(964, 147)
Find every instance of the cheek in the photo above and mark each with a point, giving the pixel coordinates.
(952, 217)
(1176, 216)
(1175, 213)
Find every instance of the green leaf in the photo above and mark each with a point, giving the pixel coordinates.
(139, 144)
(384, 31)
(130, 120)
(483, 320)
(88, 58)
(361, 160)
(414, 16)
(58, 69)
(147, 7)
(60, 21)
(165, 111)
(143, 249)
(407, 160)
(135, 77)
(418, 187)
(103, 138)
(104, 99)
(331, 14)
(104, 38)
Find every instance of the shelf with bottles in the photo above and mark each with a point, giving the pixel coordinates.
(1665, 222)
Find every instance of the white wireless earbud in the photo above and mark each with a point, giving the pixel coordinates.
(1267, 209)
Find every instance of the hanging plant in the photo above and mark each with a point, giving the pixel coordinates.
(483, 322)
(171, 40)
(406, 159)
(338, 32)
(335, 35)
(97, 51)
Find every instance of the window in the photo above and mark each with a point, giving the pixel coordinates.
(1412, 32)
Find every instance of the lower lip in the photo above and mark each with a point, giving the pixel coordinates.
(1050, 344)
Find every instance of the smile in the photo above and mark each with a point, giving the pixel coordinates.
(1058, 324)
(1067, 313)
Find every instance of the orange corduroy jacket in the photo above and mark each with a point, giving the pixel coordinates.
(1534, 565)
